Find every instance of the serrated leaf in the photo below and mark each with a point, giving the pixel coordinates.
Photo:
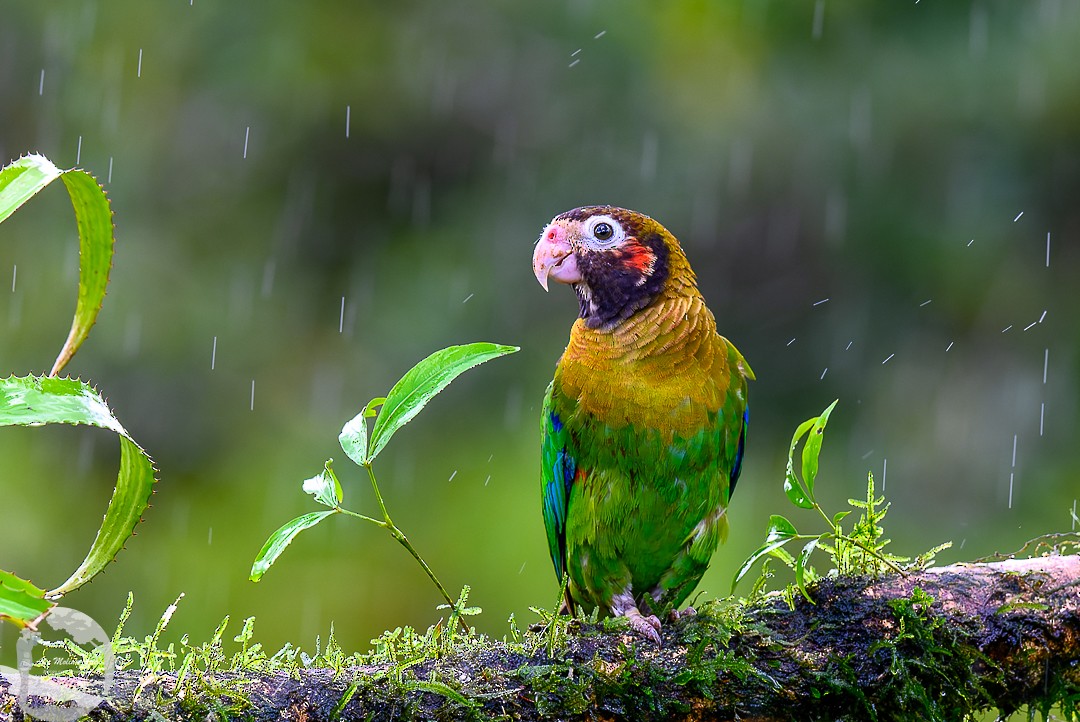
(801, 564)
(324, 487)
(23, 179)
(812, 448)
(281, 538)
(422, 382)
(21, 602)
(34, 401)
(780, 532)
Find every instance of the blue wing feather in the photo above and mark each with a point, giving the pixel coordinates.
(558, 468)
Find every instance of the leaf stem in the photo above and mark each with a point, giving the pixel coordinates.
(401, 539)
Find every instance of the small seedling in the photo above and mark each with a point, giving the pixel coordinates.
(405, 400)
(862, 551)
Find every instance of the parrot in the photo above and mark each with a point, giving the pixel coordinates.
(644, 424)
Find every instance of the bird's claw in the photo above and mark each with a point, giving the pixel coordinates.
(675, 615)
(648, 627)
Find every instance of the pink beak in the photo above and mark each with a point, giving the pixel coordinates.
(553, 257)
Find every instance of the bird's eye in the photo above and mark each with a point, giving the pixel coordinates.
(603, 231)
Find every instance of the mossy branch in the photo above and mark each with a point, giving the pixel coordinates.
(939, 644)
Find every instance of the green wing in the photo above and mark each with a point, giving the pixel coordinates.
(557, 471)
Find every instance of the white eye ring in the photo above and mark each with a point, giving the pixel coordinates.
(616, 236)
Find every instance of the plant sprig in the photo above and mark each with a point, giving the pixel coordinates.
(860, 551)
(404, 401)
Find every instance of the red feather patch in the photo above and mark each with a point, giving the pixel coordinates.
(639, 257)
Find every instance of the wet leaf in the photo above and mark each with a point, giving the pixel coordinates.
(421, 383)
(35, 401)
(792, 486)
(281, 538)
(812, 448)
(780, 532)
(801, 566)
(325, 487)
(20, 601)
(23, 179)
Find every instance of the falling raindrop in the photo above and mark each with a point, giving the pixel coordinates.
(1018, 216)
(1043, 316)
(849, 344)
(600, 34)
(823, 374)
(819, 19)
(977, 36)
(213, 354)
(1042, 415)
(247, 135)
(452, 475)
(574, 54)
(14, 275)
(133, 334)
(887, 359)
(268, 277)
(488, 479)
(78, 152)
(138, 71)
(41, 83)
(925, 303)
(576, 61)
(210, 536)
(1048, 249)
(818, 303)
(949, 346)
(1012, 475)
(1006, 328)
(884, 472)
(971, 241)
(341, 317)
(791, 341)
(110, 170)
(252, 395)
(522, 568)
(649, 147)
(1046, 364)
(468, 297)
(348, 119)
(1030, 325)
(1074, 517)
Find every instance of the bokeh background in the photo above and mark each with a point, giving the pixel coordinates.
(881, 200)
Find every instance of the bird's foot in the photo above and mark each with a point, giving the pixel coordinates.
(675, 615)
(646, 626)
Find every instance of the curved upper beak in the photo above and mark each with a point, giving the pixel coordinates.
(553, 257)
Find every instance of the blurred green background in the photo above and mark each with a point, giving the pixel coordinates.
(866, 191)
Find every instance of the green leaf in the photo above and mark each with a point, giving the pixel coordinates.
(27, 176)
(801, 565)
(792, 486)
(420, 384)
(20, 601)
(282, 538)
(325, 487)
(780, 532)
(812, 448)
(34, 401)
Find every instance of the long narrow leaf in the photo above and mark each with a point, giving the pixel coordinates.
(792, 486)
(33, 401)
(23, 179)
(281, 538)
(422, 382)
(812, 448)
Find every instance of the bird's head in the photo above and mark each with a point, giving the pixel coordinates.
(616, 260)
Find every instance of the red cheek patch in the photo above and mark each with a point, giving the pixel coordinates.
(640, 258)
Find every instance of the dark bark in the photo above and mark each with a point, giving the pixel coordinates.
(938, 644)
